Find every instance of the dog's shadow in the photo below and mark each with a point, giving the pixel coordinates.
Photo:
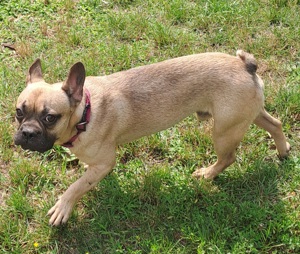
(160, 212)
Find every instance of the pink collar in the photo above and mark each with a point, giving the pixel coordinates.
(85, 119)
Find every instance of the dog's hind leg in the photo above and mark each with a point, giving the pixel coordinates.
(274, 127)
(226, 139)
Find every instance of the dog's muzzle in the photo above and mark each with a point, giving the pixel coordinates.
(33, 138)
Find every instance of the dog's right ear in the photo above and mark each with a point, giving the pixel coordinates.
(35, 72)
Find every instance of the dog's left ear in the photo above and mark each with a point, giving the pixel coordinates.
(35, 72)
(73, 86)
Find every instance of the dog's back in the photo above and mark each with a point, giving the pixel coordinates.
(155, 97)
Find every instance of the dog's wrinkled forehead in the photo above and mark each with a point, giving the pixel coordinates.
(38, 97)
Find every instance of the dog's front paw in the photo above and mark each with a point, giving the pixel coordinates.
(60, 212)
(205, 173)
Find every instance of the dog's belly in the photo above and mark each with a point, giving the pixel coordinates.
(151, 122)
(138, 131)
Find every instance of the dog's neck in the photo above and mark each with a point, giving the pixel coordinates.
(85, 119)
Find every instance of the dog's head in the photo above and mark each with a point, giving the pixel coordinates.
(45, 112)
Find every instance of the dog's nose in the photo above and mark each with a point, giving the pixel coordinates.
(30, 133)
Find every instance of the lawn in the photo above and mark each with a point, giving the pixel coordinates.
(150, 203)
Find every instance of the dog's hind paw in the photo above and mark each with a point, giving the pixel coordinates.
(286, 152)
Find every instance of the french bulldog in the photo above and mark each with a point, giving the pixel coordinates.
(93, 115)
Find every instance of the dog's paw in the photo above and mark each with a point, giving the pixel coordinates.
(203, 173)
(284, 155)
(60, 213)
(288, 148)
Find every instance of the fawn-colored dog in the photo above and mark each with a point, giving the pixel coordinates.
(92, 115)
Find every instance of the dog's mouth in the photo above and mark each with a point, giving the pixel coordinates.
(33, 146)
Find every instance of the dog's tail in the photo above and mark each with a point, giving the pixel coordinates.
(249, 60)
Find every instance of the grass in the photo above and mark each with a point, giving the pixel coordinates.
(150, 203)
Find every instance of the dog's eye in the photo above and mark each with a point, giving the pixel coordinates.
(19, 113)
(50, 118)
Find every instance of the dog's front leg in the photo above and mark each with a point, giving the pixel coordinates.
(61, 211)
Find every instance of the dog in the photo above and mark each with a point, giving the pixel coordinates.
(93, 115)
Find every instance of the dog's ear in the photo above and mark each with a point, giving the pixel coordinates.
(73, 86)
(35, 72)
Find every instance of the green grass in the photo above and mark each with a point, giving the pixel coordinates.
(150, 203)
